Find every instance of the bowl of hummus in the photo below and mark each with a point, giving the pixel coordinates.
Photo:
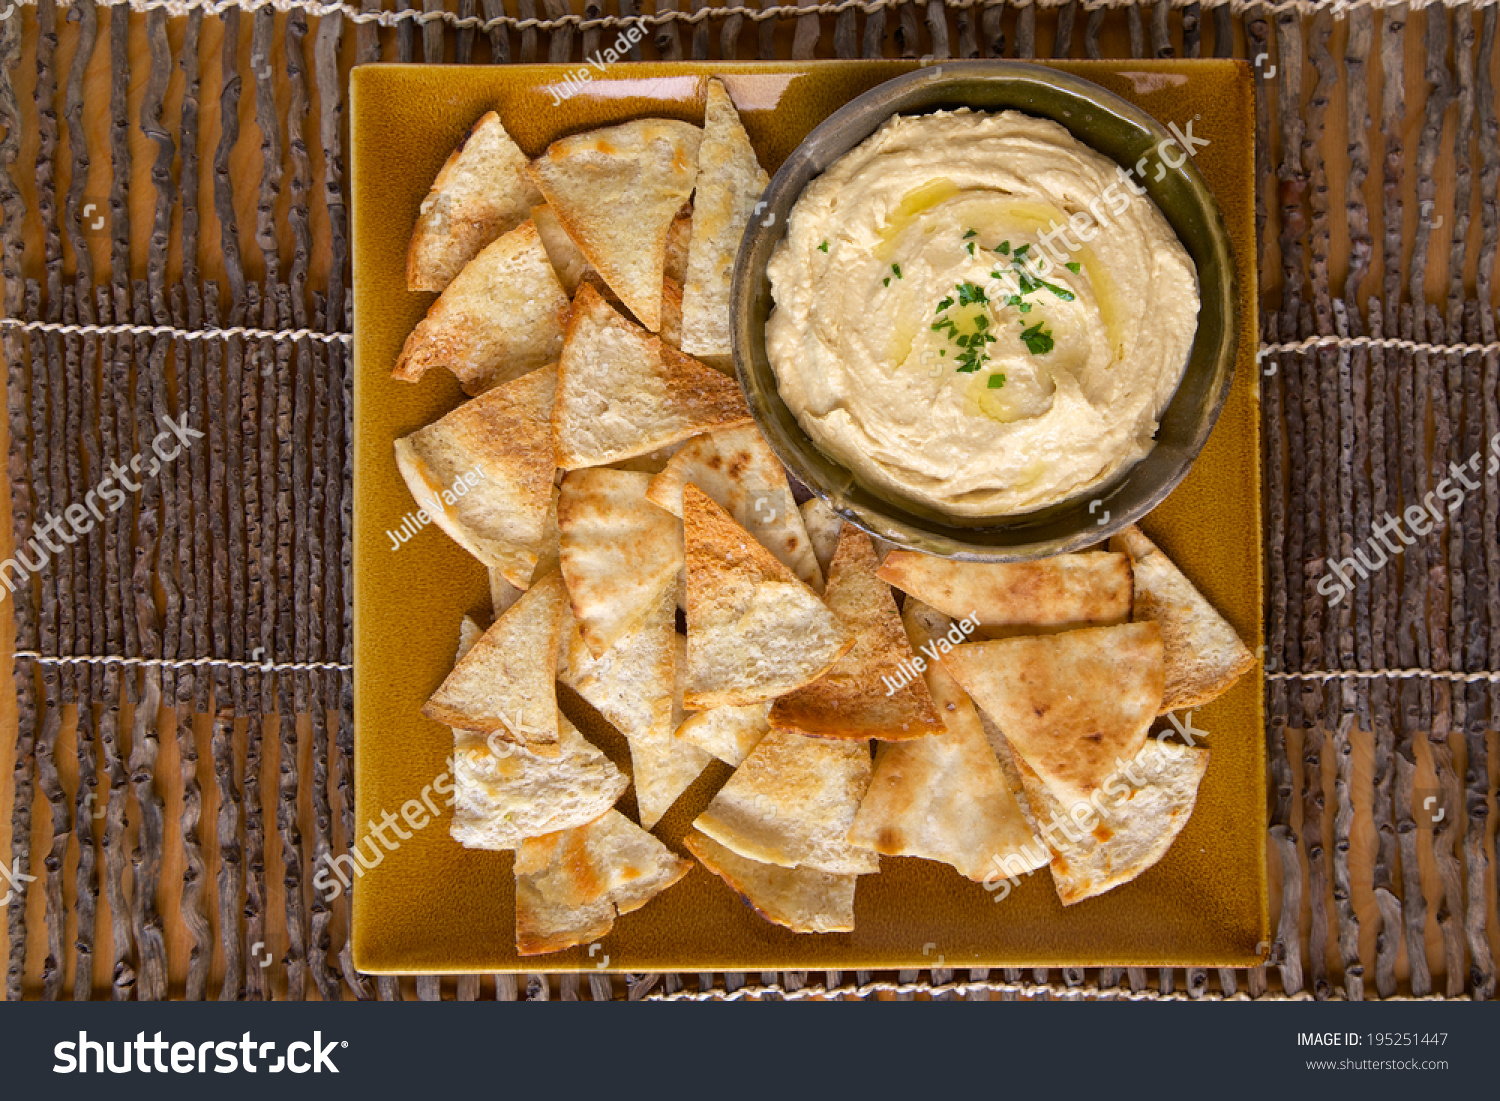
(995, 305)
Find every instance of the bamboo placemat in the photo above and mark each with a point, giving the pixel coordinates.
(175, 242)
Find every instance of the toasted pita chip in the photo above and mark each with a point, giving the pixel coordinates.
(622, 392)
(822, 525)
(571, 885)
(792, 802)
(729, 733)
(742, 475)
(1074, 705)
(678, 240)
(507, 681)
(504, 793)
(484, 472)
(942, 798)
(801, 899)
(870, 692)
(671, 312)
(1060, 593)
(1204, 655)
(663, 766)
(482, 191)
(571, 266)
(754, 631)
(730, 180)
(1135, 822)
(500, 317)
(502, 593)
(617, 191)
(619, 552)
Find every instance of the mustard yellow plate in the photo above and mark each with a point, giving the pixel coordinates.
(423, 904)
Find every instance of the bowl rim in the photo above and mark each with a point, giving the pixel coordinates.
(867, 113)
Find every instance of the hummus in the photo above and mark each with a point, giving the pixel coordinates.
(979, 314)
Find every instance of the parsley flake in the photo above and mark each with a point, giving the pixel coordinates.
(995, 382)
(1022, 250)
(943, 305)
(1074, 266)
(886, 282)
(1003, 248)
(896, 270)
(971, 233)
(823, 247)
(1037, 342)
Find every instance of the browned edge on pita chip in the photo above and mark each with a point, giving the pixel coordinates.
(799, 899)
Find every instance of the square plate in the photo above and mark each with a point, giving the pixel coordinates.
(431, 906)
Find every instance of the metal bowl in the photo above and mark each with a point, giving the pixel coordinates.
(1099, 119)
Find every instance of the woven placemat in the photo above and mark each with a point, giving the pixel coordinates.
(175, 243)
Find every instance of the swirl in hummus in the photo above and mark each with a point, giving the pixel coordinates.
(979, 314)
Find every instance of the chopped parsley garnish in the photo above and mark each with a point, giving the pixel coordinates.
(1061, 292)
(995, 382)
(970, 294)
(1003, 248)
(971, 248)
(971, 233)
(943, 305)
(1074, 266)
(886, 282)
(1037, 342)
(1022, 250)
(896, 270)
(823, 247)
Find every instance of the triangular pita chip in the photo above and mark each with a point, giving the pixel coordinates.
(678, 238)
(617, 191)
(1074, 706)
(754, 631)
(942, 798)
(1063, 592)
(1138, 823)
(482, 191)
(792, 802)
(504, 793)
(571, 885)
(822, 525)
(622, 392)
(502, 316)
(664, 767)
(730, 180)
(507, 682)
(484, 471)
(801, 899)
(729, 733)
(571, 266)
(1204, 655)
(873, 691)
(671, 312)
(736, 468)
(619, 552)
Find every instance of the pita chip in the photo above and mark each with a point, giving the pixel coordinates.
(616, 191)
(665, 767)
(507, 682)
(730, 180)
(1060, 593)
(1144, 809)
(482, 191)
(754, 631)
(571, 885)
(622, 392)
(671, 312)
(943, 798)
(504, 793)
(1072, 705)
(571, 266)
(501, 316)
(678, 238)
(822, 525)
(619, 552)
(869, 692)
(728, 733)
(737, 469)
(800, 899)
(1204, 654)
(792, 802)
(484, 472)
